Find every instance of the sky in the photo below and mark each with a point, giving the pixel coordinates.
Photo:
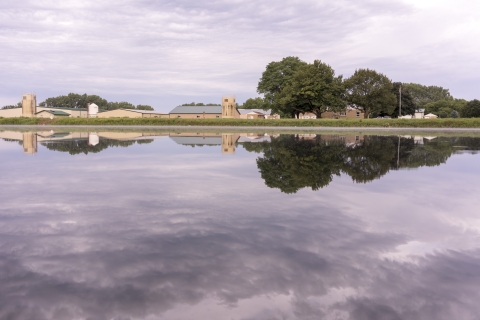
(164, 53)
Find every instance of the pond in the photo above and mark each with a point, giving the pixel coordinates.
(230, 225)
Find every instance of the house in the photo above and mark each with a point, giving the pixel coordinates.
(257, 114)
(348, 113)
(430, 116)
(307, 115)
(132, 113)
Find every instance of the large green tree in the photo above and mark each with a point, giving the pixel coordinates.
(274, 79)
(371, 92)
(471, 109)
(422, 95)
(313, 88)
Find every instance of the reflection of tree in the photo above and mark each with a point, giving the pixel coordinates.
(291, 163)
(370, 160)
(81, 146)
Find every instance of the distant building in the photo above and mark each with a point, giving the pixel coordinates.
(52, 114)
(348, 113)
(131, 113)
(307, 115)
(229, 107)
(257, 114)
(419, 114)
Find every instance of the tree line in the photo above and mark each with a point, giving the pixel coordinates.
(74, 100)
(292, 86)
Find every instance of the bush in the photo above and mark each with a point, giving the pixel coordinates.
(454, 114)
(472, 109)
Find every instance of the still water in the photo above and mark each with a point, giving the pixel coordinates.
(192, 225)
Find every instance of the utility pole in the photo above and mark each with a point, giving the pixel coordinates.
(400, 102)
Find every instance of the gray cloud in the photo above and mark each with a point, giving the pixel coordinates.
(166, 52)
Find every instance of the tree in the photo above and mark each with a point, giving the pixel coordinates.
(144, 107)
(74, 100)
(471, 109)
(408, 104)
(18, 105)
(443, 108)
(370, 92)
(275, 77)
(454, 114)
(313, 88)
(422, 95)
(253, 103)
(120, 105)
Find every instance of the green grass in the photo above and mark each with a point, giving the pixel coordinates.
(387, 123)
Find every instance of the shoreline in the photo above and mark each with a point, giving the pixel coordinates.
(244, 128)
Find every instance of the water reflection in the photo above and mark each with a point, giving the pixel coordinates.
(167, 231)
(289, 162)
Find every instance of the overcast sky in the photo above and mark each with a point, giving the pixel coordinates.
(164, 53)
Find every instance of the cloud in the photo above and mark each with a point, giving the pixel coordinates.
(167, 52)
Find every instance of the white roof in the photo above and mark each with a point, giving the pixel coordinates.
(254, 111)
(430, 114)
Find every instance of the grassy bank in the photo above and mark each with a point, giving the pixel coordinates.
(389, 123)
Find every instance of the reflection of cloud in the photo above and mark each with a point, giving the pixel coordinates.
(145, 244)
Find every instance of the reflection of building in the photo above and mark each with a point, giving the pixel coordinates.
(93, 139)
(31, 139)
(227, 141)
(29, 143)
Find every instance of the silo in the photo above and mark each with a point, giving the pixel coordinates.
(229, 106)
(93, 139)
(29, 105)
(228, 143)
(92, 110)
(29, 143)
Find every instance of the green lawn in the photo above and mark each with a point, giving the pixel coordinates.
(388, 123)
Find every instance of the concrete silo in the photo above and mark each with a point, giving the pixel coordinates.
(29, 105)
(229, 106)
(29, 143)
(92, 110)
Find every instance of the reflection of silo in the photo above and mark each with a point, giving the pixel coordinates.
(228, 143)
(29, 143)
(228, 106)
(29, 105)
(93, 139)
(92, 110)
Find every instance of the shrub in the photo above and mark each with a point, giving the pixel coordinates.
(472, 109)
